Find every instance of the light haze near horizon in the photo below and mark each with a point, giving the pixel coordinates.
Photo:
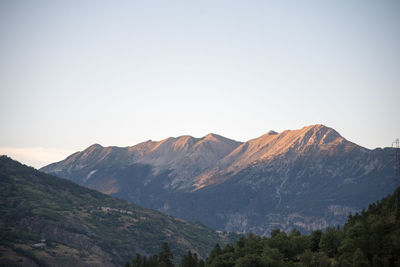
(74, 73)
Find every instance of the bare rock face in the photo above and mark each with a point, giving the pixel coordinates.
(187, 156)
(312, 141)
(184, 157)
(308, 178)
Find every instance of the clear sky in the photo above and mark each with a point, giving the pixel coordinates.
(74, 73)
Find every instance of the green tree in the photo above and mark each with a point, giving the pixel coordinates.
(223, 260)
(251, 260)
(301, 243)
(280, 241)
(152, 261)
(272, 253)
(346, 259)
(275, 232)
(359, 260)
(306, 258)
(214, 253)
(315, 238)
(201, 263)
(189, 260)
(294, 232)
(330, 241)
(165, 257)
(137, 262)
(250, 245)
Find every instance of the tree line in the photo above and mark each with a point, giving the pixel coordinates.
(368, 239)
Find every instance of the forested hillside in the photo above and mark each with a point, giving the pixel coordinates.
(371, 238)
(48, 221)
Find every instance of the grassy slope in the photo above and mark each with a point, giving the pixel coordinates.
(35, 206)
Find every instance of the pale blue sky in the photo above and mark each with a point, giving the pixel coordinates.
(74, 73)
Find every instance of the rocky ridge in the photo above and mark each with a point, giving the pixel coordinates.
(307, 178)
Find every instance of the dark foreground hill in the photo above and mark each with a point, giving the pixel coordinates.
(48, 221)
(308, 178)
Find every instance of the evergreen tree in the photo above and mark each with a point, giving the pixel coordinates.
(165, 256)
(330, 241)
(152, 261)
(359, 260)
(293, 233)
(137, 262)
(214, 253)
(189, 260)
(315, 238)
(201, 263)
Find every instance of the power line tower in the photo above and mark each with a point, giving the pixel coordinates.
(396, 147)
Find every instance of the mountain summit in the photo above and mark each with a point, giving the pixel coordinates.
(311, 141)
(184, 156)
(315, 139)
(307, 178)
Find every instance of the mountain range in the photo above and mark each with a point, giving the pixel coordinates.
(308, 178)
(48, 221)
